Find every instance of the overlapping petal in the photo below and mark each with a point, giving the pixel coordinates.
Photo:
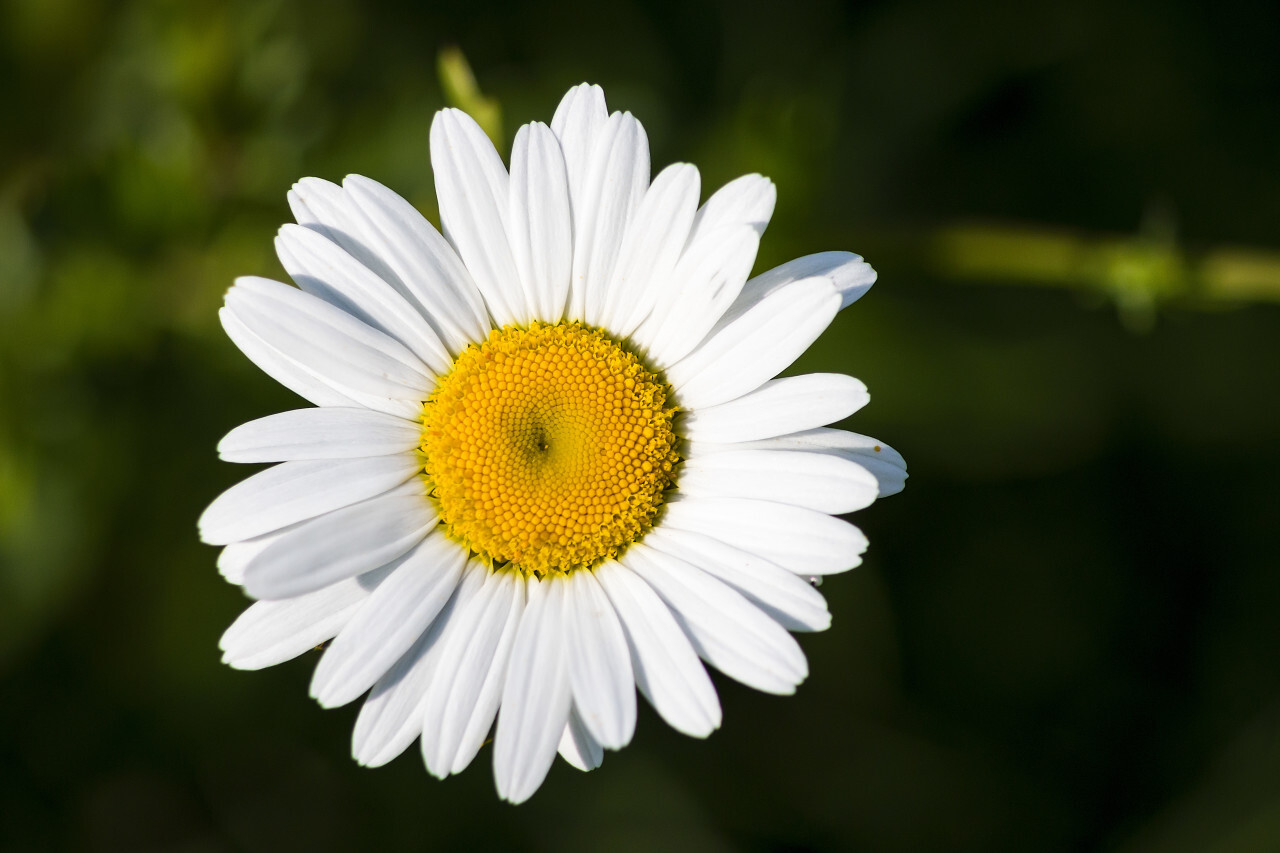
(320, 433)
(778, 407)
(465, 689)
(472, 187)
(323, 269)
(535, 696)
(390, 237)
(296, 491)
(339, 544)
(604, 202)
(391, 717)
(398, 612)
(541, 222)
(742, 355)
(649, 251)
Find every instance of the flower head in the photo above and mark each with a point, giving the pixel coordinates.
(548, 461)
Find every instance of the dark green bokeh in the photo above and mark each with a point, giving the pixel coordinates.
(1065, 633)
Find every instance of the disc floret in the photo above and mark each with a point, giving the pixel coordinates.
(548, 448)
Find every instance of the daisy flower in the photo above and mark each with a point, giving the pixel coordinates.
(548, 461)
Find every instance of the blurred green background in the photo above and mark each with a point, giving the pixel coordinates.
(1065, 635)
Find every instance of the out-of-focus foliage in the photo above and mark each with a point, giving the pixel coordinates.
(462, 91)
(1138, 274)
(1064, 636)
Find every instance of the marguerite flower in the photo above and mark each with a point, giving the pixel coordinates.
(548, 460)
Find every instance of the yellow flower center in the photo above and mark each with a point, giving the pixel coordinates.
(548, 448)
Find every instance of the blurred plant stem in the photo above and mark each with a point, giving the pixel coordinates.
(462, 91)
(1139, 273)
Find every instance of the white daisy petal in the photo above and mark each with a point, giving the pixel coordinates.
(777, 407)
(539, 221)
(786, 597)
(236, 556)
(799, 540)
(666, 667)
(280, 367)
(599, 664)
(577, 122)
(535, 697)
(811, 480)
(339, 544)
(713, 268)
(323, 269)
(398, 613)
(431, 272)
(392, 239)
(320, 433)
(472, 187)
(742, 355)
(848, 273)
(706, 280)
(278, 312)
(272, 632)
(391, 717)
(882, 461)
(654, 240)
(389, 720)
(578, 747)
(728, 632)
(295, 491)
(465, 690)
(360, 362)
(616, 178)
(748, 200)
(323, 207)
